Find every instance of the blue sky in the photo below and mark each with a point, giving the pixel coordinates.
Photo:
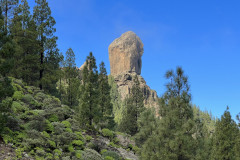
(201, 36)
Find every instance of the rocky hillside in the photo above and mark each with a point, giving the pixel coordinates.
(41, 127)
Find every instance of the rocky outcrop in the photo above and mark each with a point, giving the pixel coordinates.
(125, 82)
(125, 61)
(125, 54)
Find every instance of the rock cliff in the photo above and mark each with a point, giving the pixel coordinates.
(125, 61)
(125, 54)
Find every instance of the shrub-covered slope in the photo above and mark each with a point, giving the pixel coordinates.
(40, 127)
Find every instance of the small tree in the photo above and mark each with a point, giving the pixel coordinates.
(225, 138)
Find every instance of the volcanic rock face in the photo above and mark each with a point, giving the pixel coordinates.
(125, 54)
(125, 62)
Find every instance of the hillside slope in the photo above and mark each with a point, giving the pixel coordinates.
(40, 127)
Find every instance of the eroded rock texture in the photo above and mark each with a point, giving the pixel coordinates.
(125, 54)
(125, 61)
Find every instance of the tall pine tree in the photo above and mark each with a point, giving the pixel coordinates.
(8, 7)
(71, 75)
(173, 138)
(49, 53)
(89, 101)
(106, 107)
(23, 30)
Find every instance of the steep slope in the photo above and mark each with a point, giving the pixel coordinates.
(40, 127)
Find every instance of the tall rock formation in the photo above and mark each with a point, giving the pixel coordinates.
(125, 55)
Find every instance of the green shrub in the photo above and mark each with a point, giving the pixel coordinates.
(28, 98)
(17, 87)
(52, 144)
(103, 151)
(107, 133)
(53, 118)
(67, 124)
(49, 156)
(113, 145)
(19, 152)
(40, 151)
(57, 153)
(49, 126)
(17, 107)
(90, 154)
(70, 148)
(79, 135)
(40, 96)
(77, 143)
(88, 138)
(108, 158)
(18, 95)
(135, 149)
(45, 134)
(69, 130)
(78, 154)
(112, 154)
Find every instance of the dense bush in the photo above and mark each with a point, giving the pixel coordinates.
(89, 154)
(107, 133)
(112, 154)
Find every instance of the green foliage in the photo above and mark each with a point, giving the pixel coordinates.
(173, 137)
(225, 138)
(134, 107)
(67, 124)
(89, 154)
(18, 95)
(106, 107)
(89, 112)
(111, 154)
(88, 138)
(147, 123)
(53, 118)
(103, 151)
(108, 158)
(78, 154)
(18, 107)
(5, 107)
(115, 100)
(107, 133)
(70, 97)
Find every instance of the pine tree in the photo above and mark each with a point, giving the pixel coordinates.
(173, 138)
(23, 30)
(6, 89)
(106, 106)
(224, 138)
(147, 124)
(71, 78)
(8, 7)
(134, 107)
(89, 101)
(49, 53)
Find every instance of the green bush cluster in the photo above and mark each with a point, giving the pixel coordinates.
(107, 133)
(111, 154)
